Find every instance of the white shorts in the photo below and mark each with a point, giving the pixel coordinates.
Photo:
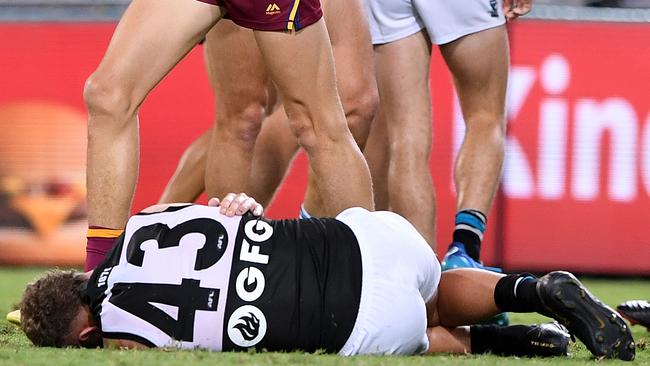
(400, 274)
(445, 20)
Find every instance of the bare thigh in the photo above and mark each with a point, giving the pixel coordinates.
(143, 49)
(236, 70)
(479, 65)
(405, 117)
(240, 83)
(465, 296)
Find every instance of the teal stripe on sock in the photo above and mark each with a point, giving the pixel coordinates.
(468, 218)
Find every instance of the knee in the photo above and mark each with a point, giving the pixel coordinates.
(317, 128)
(487, 126)
(242, 127)
(312, 139)
(303, 129)
(107, 98)
(360, 110)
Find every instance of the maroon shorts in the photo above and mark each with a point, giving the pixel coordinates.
(271, 15)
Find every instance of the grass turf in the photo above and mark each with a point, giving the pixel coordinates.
(15, 349)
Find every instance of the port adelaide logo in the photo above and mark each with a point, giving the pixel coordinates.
(247, 324)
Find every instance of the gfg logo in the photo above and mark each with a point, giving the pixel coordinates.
(247, 324)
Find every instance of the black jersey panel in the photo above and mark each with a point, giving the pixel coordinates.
(312, 287)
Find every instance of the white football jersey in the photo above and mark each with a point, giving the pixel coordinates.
(177, 260)
(189, 277)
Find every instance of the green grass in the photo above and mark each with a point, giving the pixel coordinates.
(15, 349)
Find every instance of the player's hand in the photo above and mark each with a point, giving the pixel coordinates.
(237, 204)
(516, 8)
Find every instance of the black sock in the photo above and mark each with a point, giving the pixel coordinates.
(469, 229)
(504, 341)
(518, 293)
(485, 339)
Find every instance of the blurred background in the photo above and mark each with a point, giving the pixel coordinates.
(576, 186)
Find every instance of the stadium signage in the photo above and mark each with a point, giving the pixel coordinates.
(572, 140)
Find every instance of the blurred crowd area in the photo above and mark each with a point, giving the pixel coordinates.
(593, 3)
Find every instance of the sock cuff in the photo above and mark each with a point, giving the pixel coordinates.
(98, 247)
(102, 232)
(303, 212)
(507, 294)
(473, 218)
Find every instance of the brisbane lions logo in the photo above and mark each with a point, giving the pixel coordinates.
(247, 326)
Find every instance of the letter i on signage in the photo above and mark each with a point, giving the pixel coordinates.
(553, 123)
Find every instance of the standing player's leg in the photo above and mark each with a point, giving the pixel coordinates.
(302, 66)
(244, 96)
(377, 155)
(481, 88)
(240, 87)
(240, 84)
(358, 91)
(270, 162)
(355, 78)
(274, 151)
(276, 145)
(405, 112)
(140, 54)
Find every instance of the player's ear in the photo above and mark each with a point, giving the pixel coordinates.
(87, 332)
(90, 337)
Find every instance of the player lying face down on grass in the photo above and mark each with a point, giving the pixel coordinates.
(221, 277)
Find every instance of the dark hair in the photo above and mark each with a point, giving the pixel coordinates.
(48, 307)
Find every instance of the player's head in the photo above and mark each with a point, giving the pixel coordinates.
(53, 314)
